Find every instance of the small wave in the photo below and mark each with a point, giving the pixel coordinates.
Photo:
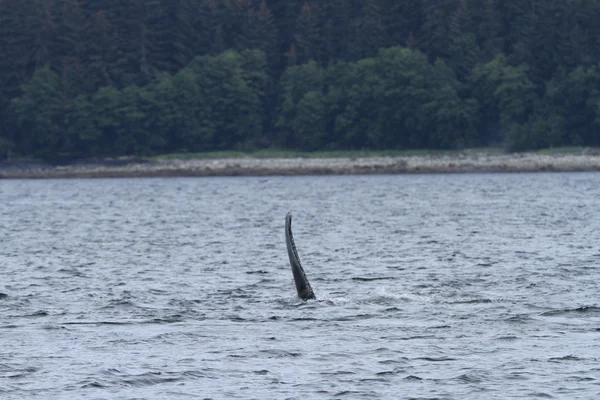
(414, 337)
(384, 294)
(121, 303)
(384, 373)
(578, 310)
(159, 292)
(469, 378)
(304, 319)
(93, 384)
(542, 395)
(569, 357)
(150, 378)
(341, 372)
(72, 272)
(583, 379)
(487, 264)
(261, 372)
(8, 371)
(507, 337)
(296, 302)
(346, 393)
(132, 322)
(355, 317)
(194, 374)
(519, 319)
(235, 318)
(372, 380)
(165, 320)
(51, 327)
(119, 378)
(400, 360)
(436, 359)
(188, 304)
(368, 279)
(39, 313)
(75, 289)
(517, 376)
(281, 353)
(482, 300)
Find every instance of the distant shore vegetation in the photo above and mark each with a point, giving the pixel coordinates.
(83, 78)
(274, 153)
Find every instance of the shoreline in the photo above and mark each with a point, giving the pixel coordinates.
(466, 162)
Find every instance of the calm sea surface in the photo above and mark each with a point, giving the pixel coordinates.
(429, 287)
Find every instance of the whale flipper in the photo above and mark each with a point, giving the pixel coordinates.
(305, 292)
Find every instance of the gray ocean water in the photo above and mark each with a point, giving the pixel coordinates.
(429, 287)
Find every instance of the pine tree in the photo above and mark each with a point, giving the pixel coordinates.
(285, 16)
(133, 44)
(335, 23)
(14, 36)
(549, 35)
(101, 51)
(254, 28)
(69, 46)
(487, 28)
(40, 114)
(464, 51)
(297, 82)
(435, 36)
(367, 31)
(402, 21)
(308, 38)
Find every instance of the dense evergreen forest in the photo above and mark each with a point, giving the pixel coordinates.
(95, 78)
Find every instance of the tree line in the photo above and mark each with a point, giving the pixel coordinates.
(83, 78)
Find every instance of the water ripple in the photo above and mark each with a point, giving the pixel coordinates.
(429, 287)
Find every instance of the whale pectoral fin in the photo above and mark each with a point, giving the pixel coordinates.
(303, 287)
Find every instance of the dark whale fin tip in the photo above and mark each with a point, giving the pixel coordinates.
(303, 287)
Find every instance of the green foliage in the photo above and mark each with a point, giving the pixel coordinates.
(575, 99)
(39, 113)
(298, 82)
(170, 103)
(464, 55)
(567, 114)
(230, 95)
(85, 78)
(105, 105)
(395, 100)
(309, 122)
(84, 135)
(214, 103)
(505, 96)
(133, 135)
(540, 131)
(354, 100)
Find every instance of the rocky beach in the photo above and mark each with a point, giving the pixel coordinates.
(466, 162)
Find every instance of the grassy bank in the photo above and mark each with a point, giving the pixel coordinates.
(280, 153)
